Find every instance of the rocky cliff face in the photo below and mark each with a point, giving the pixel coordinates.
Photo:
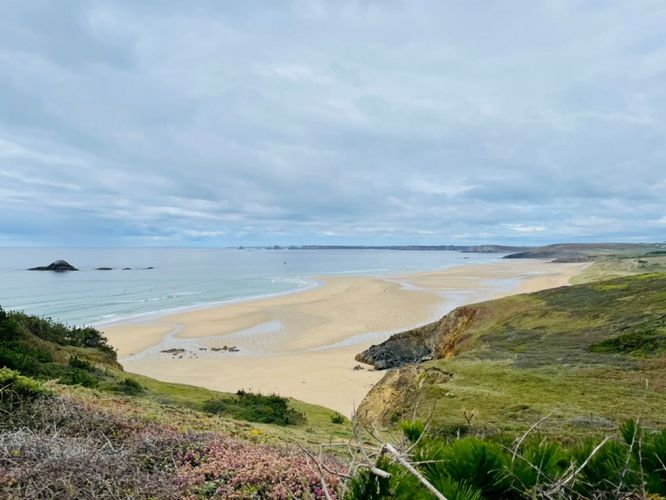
(441, 339)
(398, 393)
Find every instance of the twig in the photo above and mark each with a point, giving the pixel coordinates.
(396, 455)
(560, 484)
(522, 438)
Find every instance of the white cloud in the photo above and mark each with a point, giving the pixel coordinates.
(379, 122)
(521, 228)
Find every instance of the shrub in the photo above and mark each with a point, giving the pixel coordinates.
(16, 390)
(13, 381)
(337, 418)
(80, 364)
(129, 386)
(272, 409)
(59, 333)
(413, 429)
(79, 377)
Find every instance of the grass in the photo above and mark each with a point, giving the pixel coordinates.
(590, 356)
(617, 266)
(81, 358)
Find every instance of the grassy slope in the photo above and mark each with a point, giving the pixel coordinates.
(36, 348)
(621, 265)
(528, 356)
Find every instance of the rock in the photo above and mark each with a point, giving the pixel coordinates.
(148, 268)
(173, 351)
(59, 266)
(358, 367)
(434, 341)
(226, 348)
(127, 268)
(396, 395)
(104, 269)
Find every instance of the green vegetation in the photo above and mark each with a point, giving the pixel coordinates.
(40, 350)
(337, 418)
(590, 356)
(617, 266)
(631, 465)
(252, 407)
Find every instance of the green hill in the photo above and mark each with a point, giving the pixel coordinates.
(589, 356)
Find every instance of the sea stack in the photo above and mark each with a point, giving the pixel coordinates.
(59, 266)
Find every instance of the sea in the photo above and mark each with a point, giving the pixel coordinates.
(166, 280)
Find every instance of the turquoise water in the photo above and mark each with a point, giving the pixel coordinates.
(185, 278)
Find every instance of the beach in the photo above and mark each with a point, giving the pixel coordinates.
(303, 344)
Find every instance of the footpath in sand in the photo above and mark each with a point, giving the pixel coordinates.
(303, 344)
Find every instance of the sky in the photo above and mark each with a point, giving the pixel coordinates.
(224, 123)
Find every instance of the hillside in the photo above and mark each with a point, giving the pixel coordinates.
(74, 425)
(584, 252)
(588, 356)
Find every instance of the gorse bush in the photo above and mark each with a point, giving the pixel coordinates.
(25, 387)
(473, 468)
(272, 409)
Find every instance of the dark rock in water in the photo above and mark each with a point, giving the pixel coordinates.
(148, 268)
(173, 351)
(59, 266)
(104, 269)
(127, 268)
(226, 348)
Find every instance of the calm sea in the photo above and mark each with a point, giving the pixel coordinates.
(184, 278)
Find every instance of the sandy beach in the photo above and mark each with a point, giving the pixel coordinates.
(303, 344)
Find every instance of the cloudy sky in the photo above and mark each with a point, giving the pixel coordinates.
(370, 122)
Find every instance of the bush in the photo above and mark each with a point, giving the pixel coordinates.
(80, 364)
(79, 377)
(271, 409)
(59, 333)
(473, 468)
(16, 390)
(129, 386)
(11, 380)
(337, 418)
(413, 430)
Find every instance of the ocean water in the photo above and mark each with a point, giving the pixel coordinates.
(185, 278)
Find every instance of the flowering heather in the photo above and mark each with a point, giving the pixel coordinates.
(231, 468)
(67, 447)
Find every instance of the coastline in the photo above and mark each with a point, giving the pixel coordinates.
(302, 343)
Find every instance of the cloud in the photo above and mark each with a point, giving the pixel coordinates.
(314, 122)
(520, 228)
